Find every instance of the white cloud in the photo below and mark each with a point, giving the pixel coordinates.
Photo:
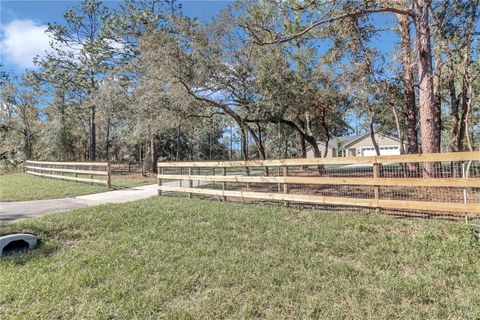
(22, 40)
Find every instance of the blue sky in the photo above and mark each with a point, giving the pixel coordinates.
(22, 25)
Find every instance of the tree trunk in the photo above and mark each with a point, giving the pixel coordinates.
(326, 131)
(243, 142)
(454, 114)
(143, 149)
(303, 146)
(154, 154)
(304, 137)
(410, 107)
(437, 98)
(243, 124)
(409, 83)
(263, 154)
(261, 148)
(256, 140)
(279, 132)
(467, 89)
(93, 135)
(192, 146)
(313, 143)
(327, 140)
(468, 85)
(316, 151)
(463, 117)
(310, 138)
(285, 143)
(177, 151)
(140, 155)
(437, 101)
(455, 141)
(86, 153)
(107, 141)
(372, 137)
(209, 146)
(231, 143)
(243, 139)
(468, 118)
(27, 143)
(425, 74)
(66, 147)
(398, 124)
(235, 116)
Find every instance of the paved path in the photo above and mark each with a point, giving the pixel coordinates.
(121, 196)
(10, 211)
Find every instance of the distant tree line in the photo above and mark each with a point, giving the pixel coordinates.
(267, 79)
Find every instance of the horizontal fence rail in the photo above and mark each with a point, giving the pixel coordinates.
(406, 158)
(397, 183)
(87, 172)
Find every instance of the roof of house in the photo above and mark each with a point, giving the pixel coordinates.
(346, 140)
(343, 142)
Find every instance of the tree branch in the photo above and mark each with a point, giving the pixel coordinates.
(325, 21)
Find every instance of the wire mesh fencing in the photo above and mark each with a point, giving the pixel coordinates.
(428, 185)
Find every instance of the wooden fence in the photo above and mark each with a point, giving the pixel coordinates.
(380, 182)
(126, 167)
(87, 172)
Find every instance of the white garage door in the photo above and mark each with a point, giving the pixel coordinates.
(384, 151)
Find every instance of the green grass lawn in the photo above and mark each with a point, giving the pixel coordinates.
(175, 258)
(125, 181)
(23, 187)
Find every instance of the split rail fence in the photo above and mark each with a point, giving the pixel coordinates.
(88, 172)
(387, 183)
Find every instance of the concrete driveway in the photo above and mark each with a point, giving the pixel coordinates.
(10, 211)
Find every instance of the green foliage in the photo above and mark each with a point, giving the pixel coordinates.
(142, 81)
(20, 121)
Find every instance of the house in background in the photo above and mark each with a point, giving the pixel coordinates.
(358, 146)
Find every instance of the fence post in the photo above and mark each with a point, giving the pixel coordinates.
(109, 175)
(190, 182)
(285, 184)
(224, 183)
(160, 180)
(376, 188)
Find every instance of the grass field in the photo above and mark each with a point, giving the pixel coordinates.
(175, 258)
(22, 187)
